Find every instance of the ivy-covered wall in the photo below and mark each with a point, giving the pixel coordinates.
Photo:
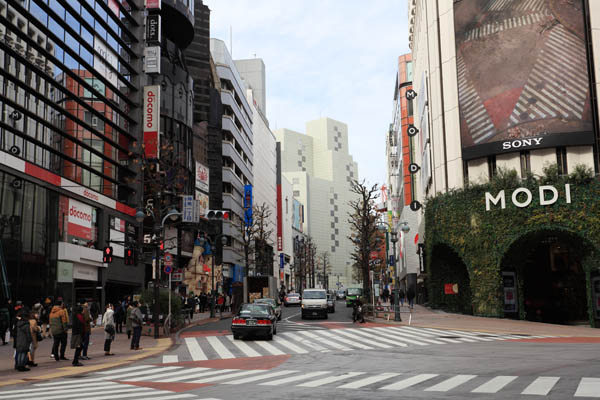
(459, 221)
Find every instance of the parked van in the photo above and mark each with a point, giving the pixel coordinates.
(314, 303)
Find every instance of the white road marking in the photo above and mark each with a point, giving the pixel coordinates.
(259, 378)
(376, 337)
(450, 383)
(289, 345)
(118, 371)
(270, 348)
(195, 374)
(349, 342)
(295, 378)
(328, 342)
(221, 377)
(588, 387)
(541, 386)
(243, 347)
(494, 384)
(219, 347)
(170, 359)
(362, 339)
(330, 379)
(369, 381)
(195, 350)
(405, 383)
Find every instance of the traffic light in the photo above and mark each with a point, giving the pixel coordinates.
(129, 256)
(107, 255)
(217, 214)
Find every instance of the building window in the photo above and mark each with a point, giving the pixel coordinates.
(525, 164)
(561, 160)
(492, 166)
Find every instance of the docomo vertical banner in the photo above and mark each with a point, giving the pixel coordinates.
(152, 4)
(279, 220)
(80, 220)
(151, 121)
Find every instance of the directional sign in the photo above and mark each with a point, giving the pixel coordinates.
(411, 130)
(168, 269)
(169, 259)
(188, 209)
(413, 168)
(411, 94)
(415, 205)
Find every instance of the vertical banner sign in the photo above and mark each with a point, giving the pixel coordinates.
(153, 28)
(279, 199)
(188, 209)
(80, 220)
(202, 178)
(152, 60)
(248, 205)
(151, 121)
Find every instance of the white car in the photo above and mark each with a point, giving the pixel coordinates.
(314, 303)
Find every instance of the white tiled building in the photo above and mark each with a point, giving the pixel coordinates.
(321, 171)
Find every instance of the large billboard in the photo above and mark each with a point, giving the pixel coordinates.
(523, 79)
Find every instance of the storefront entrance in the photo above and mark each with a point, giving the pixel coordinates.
(551, 277)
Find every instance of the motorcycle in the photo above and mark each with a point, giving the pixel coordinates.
(357, 313)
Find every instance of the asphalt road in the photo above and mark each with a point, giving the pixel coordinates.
(335, 359)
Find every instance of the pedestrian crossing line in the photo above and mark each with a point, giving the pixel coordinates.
(304, 341)
(541, 386)
(272, 350)
(461, 335)
(76, 393)
(362, 339)
(402, 337)
(330, 379)
(429, 335)
(369, 381)
(62, 387)
(259, 378)
(294, 378)
(143, 395)
(499, 26)
(450, 383)
(524, 5)
(221, 377)
(160, 375)
(118, 371)
(195, 350)
(289, 345)
(170, 359)
(219, 347)
(150, 371)
(588, 387)
(328, 342)
(195, 375)
(411, 338)
(408, 382)
(494, 384)
(243, 347)
(371, 336)
(465, 334)
(346, 341)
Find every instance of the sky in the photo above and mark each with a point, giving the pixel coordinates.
(324, 58)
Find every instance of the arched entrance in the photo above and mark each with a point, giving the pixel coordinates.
(450, 286)
(550, 277)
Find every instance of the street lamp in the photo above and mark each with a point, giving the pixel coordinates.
(394, 239)
(213, 250)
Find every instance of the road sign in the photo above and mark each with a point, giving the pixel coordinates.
(411, 94)
(168, 269)
(281, 261)
(169, 259)
(412, 130)
(413, 168)
(415, 205)
(188, 209)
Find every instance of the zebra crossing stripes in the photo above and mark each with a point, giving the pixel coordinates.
(369, 381)
(541, 386)
(495, 384)
(589, 387)
(477, 118)
(557, 85)
(408, 382)
(450, 383)
(509, 23)
(521, 5)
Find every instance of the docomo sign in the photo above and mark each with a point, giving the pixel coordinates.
(528, 197)
(151, 120)
(80, 220)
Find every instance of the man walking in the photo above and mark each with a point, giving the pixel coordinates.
(87, 331)
(136, 324)
(22, 341)
(58, 328)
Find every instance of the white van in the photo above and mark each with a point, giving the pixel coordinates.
(314, 303)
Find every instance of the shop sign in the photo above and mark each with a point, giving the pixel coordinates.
(522, 197)
(152, 4)
(451, 288)
(153, 26)
(152, 60)
(509, 283)
(201, 203)
(202, 177)
(151, 120)
(80, 220)
(177, 277)
(104, 57)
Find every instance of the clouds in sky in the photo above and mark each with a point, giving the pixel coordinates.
(324, 58)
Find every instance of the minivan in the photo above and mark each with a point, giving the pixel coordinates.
(314, 303)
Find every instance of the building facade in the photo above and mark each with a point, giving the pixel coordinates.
(507, 155)
(321, 171)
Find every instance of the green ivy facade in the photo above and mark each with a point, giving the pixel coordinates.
(461, 233)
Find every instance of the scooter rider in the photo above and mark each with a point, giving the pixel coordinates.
(357, 314)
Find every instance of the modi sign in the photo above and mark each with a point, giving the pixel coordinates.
(523, 197)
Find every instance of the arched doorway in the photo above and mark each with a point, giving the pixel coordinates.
(450, 286)
(548, 266)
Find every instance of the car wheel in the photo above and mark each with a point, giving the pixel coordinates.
(270, 336)
(236, 336)
(279, 317)
(326, 316)
(275, 330)
(303, 317)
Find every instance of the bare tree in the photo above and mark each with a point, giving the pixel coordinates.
(257, 239)
(363, 224)
(324, 266)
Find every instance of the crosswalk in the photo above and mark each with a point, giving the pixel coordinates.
(476, 115)
(106, 385)
(558, 84)
(520, 5)
(326, 340)
(506, 24)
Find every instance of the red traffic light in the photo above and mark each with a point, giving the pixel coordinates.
(108, 254)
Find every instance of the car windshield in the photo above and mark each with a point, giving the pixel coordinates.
(266, 301)
(317, 294)
(262, 309)
(354, 291)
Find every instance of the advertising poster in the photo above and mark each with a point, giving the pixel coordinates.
(523, 79)
(103, 58)
(151, 120)
(202, 177)
(80, 220)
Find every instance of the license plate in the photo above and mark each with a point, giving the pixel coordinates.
(251, 323)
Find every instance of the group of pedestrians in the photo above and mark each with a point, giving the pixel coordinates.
(29, 326)
(201, 303)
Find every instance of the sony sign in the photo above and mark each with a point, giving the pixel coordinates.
(518, 143)
(527, 197)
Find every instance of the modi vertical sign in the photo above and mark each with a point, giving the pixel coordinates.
(151, 121)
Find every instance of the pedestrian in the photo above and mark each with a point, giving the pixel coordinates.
(191, 305)
(410, 295)
(45, 317)
(228, 303)
(128, 326)
(221, 303)
(108, 322)
(119, 317)
(94, 312)
(136, 324)
(36, 337)
(4, 322)
(58, 328)
(401, 296)
(203, 300)
(87, 331)
(77, 334)
(22, 340)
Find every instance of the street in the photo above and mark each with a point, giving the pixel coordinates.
(335, 358)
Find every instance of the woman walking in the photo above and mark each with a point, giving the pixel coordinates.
(128, 326)
(108, 321)
(36, 336)
(77, 335)
(22, 341)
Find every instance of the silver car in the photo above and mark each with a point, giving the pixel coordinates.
(273, 303)
(292, 299)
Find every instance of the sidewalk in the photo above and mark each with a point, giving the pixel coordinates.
(428, 318)
(48, 368)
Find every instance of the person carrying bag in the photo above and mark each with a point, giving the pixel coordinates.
(108, 321)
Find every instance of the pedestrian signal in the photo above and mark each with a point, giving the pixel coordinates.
(129, 256)
(107, 255)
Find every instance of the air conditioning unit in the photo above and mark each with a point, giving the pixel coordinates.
(49, 69)
(40, 61)
(20, 48)
(30, 56)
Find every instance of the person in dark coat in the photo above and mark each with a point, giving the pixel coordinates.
(203, 301)
(87, 317)
(59, 327)
(119, 318)
(22, 341)
(4, 322)
(77, 332)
